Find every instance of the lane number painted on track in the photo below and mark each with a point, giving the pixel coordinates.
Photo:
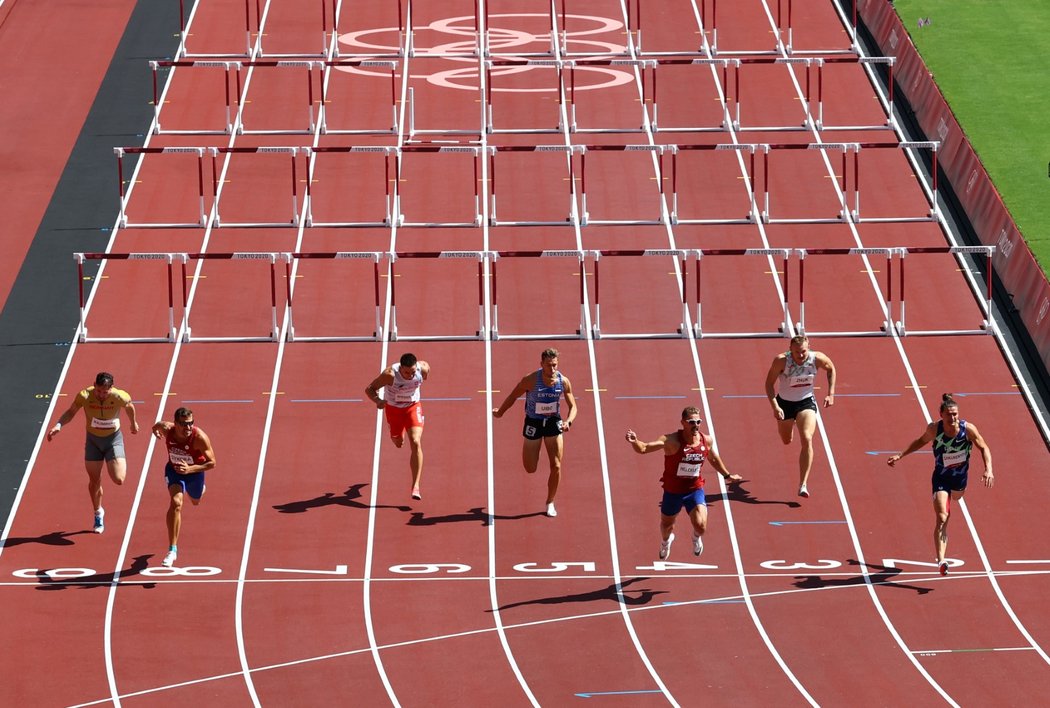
(189, 571)
(661, 566)
(424, 568)
(785, 565)
(554, 567)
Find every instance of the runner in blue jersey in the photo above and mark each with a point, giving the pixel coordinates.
(543, 390)
(953, 439)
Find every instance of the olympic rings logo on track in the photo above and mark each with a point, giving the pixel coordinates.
(467, 77)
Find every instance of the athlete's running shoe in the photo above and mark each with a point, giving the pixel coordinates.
(665, 547)
(169, 560)
(943, 568)
(803, 492)
(416, 495)
(698, 545)
(551, 511)
(99, 526)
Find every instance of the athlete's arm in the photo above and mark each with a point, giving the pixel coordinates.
(775, 370)
(523, 387)
(664, 443)
(372, 390)
(717, 463)
(824, 362)
(130, 409)
(570, 402)
(203, 445)
(986, 453)
(919, 442)
(161, 427)
(67, 416)
(424, 369)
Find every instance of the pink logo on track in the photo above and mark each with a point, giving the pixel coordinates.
(500, 39)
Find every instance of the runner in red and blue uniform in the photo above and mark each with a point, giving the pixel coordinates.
(685, 452)
(953, 439)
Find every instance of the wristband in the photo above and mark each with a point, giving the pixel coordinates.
(58, 426)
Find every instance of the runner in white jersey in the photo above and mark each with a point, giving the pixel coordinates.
(403, 410)
(789, 387)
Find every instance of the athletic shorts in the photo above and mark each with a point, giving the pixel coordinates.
(192, 484)
(536, 428)
(109, 447)
(792, 408)
(948, 481)
(402, 418)
(673, 503)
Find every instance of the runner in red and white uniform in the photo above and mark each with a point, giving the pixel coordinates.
(789, 387)
(685, 452)
(404, 411)
(190, 455)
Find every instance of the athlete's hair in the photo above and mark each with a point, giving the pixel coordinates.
(689, 411)
(182, 413)
(549, 354)
(947, 402)
(408, 359)
(799, 339)
(104, 378)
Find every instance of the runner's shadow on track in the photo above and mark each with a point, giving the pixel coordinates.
(879, 575)
(98, 580)
(478, 514)
(349, 498)
(644, 596)
(55, 538)
(739, 493)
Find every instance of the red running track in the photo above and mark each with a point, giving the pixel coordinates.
(309, 575)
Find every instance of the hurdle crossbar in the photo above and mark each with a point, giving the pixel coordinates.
(783, 254)
(402, 37)
(486, 37)
(125, 194)
(657, 150)
(511, 65)
(639, 66)
(392, 258)
(681, 258)
(581, 256)
(932, 197)
(248, 31)
(389, 185)
(784, 36)
(217, 192)
(357, 256)
(729, 85)
(572, 219)
(230, 98)
(750, 148)
(987, 325)
(888, 124)
(307, 54)
(846, 149)
(476, 50)
(313, 69)
(413, 130)
(333, 68)
(274, 334)
(421, 149)
(168, 258)
(885, 327)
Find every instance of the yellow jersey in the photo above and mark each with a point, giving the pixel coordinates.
(103, 417)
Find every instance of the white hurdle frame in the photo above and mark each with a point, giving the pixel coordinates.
(169, 259)
(581, 256)
(682, 259)
(122, 219)
(374, 256)
(987, 326)
(474, 150)
(770, 253)
(231, 97)
(659, 150)
(572, 219)
(392, 257)
(389, 178)
(559, 90)
(331, 67)
(750, 148)
(310, 67)
(291, 151)
(237, 256)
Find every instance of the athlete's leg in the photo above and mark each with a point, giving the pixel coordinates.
(699, 518)
(530, 454)
(806, 421)
(555, 445)
(666, 526)
(175, 514)
(118, 469)
(94, 470)
(942, 512)
(415, 439)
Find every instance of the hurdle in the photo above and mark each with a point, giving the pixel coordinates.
(402, 38)
(572, 218)
(885, 326)
(410, 34)
(393, 257)
(580, 256)
(354, 257)
(681, 259)
(751, 149)
(639, 66)
(313, 68)
(634, 32)
(511, 66)
(227, 66)
(658, 151)
(253, 31)
(271, 258)
(987, 325)
(313, 155)
(844, 212)
(783, 327)
(729, 85)
(486, 40)
(413, 130)
(785, 33)
(168, 258)
(122, 218)
(888, 62)
(183, 50)
(562, 41)
(933, 214)
(218, 193)
(261, 52)
(474, 151)
(333, 69)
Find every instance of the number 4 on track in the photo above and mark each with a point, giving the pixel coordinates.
(660, 566)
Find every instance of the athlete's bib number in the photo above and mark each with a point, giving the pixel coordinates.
(546, 408)
(178, 458)
(800, 381)
(689, 469)
(105, 423)
(951, 459)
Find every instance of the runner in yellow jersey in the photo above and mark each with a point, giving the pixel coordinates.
(102, 404)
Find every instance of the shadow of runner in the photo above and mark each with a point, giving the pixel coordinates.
(55, 538)
(739, 493)
(349, 498)
(645, 596)
(882, 575)
(97, 580)
(477, 513)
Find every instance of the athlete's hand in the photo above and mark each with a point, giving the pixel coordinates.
(893, 460)
(135, 428)
(829, 400)
(778, 412)
(988, 479)
(52, 433)
(729, 478)
(496, 413)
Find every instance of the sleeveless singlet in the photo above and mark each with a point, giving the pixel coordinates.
(682, 470)
(103, 417)
(951, 454)
(403, 392)
(796, 381)
(183, 451)
(544, 401)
